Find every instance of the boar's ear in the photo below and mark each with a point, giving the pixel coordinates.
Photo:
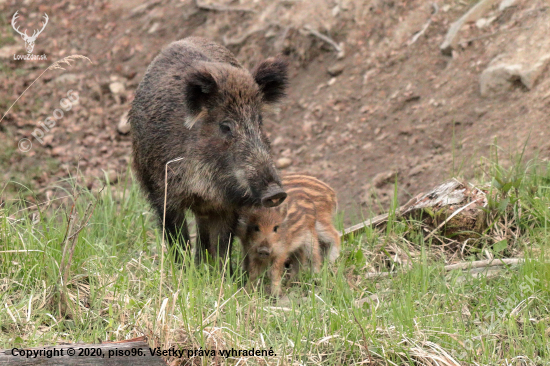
(200, 89)
(272, 77)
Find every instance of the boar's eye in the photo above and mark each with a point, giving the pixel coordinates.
(225, 128)
(276, 228)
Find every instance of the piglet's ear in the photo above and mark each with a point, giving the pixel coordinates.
(200, 90)
(272, 78)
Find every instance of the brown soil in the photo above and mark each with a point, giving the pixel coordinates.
(393, 111)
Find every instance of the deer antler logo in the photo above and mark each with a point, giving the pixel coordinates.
(29, 41)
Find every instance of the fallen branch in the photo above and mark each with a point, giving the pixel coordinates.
(213, 7)
(239, 40)
(451, 39)
(371, 222)
(464, 265)
(425, 27)
(322, 37)
(484, 264)
(448, 193)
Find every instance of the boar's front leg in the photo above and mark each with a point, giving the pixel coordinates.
(214, 236)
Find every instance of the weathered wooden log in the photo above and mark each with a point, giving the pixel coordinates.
(134, 352)
(474, 267)
(453, 206)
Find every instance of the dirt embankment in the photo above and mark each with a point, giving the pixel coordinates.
(372, 100)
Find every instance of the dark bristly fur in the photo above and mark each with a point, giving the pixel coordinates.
(198, 103)
(297, 231)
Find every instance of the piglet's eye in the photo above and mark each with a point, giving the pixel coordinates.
(276, 228)
(256, 228)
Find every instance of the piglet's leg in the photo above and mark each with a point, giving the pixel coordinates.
(277, 269)
(253, 270)
(314, 252)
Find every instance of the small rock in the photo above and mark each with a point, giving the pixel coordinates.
(336, 69)
(505, 4)
(113, 176)
(481, 23)
(123, 125)
(382, 136)
(381, 179)
(58, 150)
(484, 22)
(331, 81)
(65, 79)
(364, 109)
(117, 87)
(9, 51)
(283, 163)
(342, 53)
(286, 153)
(48, 139)
(480, 111)
(278, 141)
(417, 170)
(154, 28)
(525, 62)
(499, 78)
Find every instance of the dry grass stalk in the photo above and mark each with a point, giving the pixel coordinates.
(55, 66)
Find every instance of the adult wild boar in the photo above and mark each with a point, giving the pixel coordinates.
(197, 104)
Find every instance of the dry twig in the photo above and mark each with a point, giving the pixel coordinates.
(322, 37)
(365, 344)
(425, 27)
(213, 7)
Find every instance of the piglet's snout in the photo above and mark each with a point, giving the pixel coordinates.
(264, 252)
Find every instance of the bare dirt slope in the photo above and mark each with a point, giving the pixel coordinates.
(380, 102)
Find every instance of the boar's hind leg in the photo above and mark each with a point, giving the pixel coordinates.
(176, 233)
(203, 239)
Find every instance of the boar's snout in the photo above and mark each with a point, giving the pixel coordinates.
(264, 252)
(273, 195)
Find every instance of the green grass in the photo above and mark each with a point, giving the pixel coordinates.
(119, 284)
